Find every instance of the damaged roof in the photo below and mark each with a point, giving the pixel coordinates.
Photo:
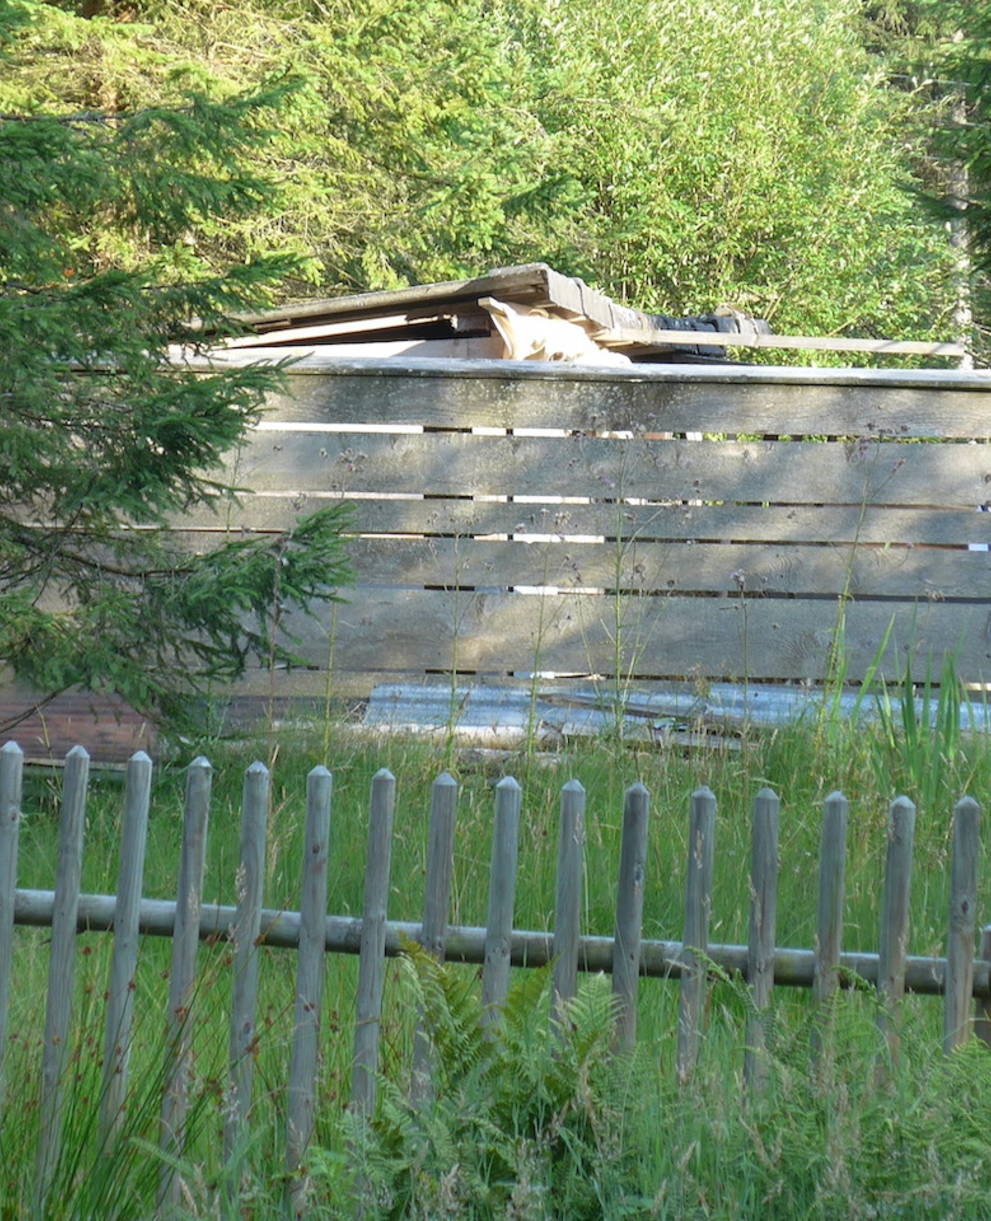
(467, 318)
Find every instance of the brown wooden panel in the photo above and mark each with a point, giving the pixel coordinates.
(731, 638)
(110, 730)
(766, 471)
(638, 400)
(742, 523)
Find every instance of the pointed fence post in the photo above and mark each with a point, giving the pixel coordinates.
(11, 779)
(182, 975)
(959, 984)
(124, 961)
(698, 906)
(502, 896)
(763, 922)
(310, 964)
(436, 901)
(629, 914)
(247, 926)
(568, 902)
(371, 964)
(61, 970)
(829, 922)
(893, 948)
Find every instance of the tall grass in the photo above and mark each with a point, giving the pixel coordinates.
(912, 1148)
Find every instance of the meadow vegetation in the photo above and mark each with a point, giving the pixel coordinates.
(534, 1125)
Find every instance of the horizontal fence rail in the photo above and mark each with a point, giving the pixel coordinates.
(962, 977)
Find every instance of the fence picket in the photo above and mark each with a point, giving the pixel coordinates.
(313, 933)
(629, 913)
(436, 901)
(893, 947)
(698, 905)
(763, 920)
(309, 981)
(182, 975)
(959, 985)
(250, 884)
(371, 965)
(502, 896)
(124, 962)
(568, 898)
(11, 779)
(829, 917)
(61, 969)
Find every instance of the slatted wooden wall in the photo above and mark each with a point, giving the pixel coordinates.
(517, 518)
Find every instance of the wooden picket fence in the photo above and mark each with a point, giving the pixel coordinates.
(961, 977)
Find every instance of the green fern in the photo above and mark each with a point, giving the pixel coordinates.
(524, 1118)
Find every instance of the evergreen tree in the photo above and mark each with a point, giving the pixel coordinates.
(101, 438)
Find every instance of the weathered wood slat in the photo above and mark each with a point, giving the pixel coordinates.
(250, 886)
(436, 901)
(371, 967)
(835, 524)
(412, 631)
(182, 975)
(893, 948)
(829, 920)
(962, 924)
(502, 896)
(11, 781)
(642, 399)
(763, 926)
(698, 906)
(799, 472)
(629, 913)
(704, 567)
(310, 966)
(61, 971)
(568, 896)
(124, 963)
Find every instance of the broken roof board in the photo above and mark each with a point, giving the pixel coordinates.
(534, 286)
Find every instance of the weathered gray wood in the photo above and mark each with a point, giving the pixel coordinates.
(829, 918)
(124, 961)
(793, 968)
(829, 921)
(250, 886)
(309, 983)
(698, 905)
(629, 913)
(459, 463)
(962, 923)
(833, 524)
(673, 399)
(436, 902)
(371, 968)
(982, 1004)
(11, 776)
(893, 946)
(185, 935)
(61, 970)
(668, 567)
(568, 895)
(763, 922)
(759, 638)
(502, 896)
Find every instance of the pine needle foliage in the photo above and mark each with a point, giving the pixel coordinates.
(101, 438)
